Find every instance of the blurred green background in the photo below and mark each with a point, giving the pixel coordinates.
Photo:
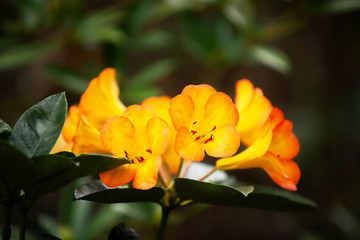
(304, 55)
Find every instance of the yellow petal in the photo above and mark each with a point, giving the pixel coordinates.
(181, 111)
(157, 131)
(71, 124)
(219, 110)
(161, 106)
(245, 159)
(199, 95)
(100, 100)
(147, 173)
(256, 114)
(118, 136)
(87, 139)
(187, 147)
(224, 142)
(119, 176)
(61, 145)
(244, 93)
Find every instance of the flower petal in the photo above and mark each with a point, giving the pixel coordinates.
(119, 176)
(244, 93)
(289, 175)
(161, 106)
(245, 159)
(71, 124)
(87, 139)
(225, 142)
(187, 147)
(219, 110)
(118, 136)
(157, 131)
(181, 111)
(147, 173)
(284, 143)
(256, 114)
(100, 100)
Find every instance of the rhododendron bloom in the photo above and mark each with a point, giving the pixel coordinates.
(100, 101)
(161, 107)
(140, 136)
(204, 120)
(271, 143)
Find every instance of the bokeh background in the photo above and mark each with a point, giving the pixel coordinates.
(304, 55)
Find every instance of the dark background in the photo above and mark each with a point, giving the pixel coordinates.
(309, 69)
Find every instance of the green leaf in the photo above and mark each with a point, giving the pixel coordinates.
(261, 198)
(5, 130)
(24, 54)
(97, 192)
(68, 78)
(271, 57)
(86, 165)
(37, 130)
(16, 169)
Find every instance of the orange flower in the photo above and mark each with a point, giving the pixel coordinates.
(140, 136)
(204, 120)
(161, 107)
(65, 140)
(100, 101)
(271, 143)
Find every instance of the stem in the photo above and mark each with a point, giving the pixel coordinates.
(162, 180)
(186, 169)
(23, 223)
(164, 217)
(180, 166)
(208, 174)
(6, 232)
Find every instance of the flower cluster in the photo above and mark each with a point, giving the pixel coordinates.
(163, 135)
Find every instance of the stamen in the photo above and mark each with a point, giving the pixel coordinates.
(149, 151)
(209, 139)
(203, 135)
(213, 128)
(197, 138)
(194, 123)
(132, 160)
(141, 159)
(193, 132)
(126, 154)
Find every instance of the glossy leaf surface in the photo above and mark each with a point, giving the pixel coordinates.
(37, 130)
(97, 192)
(16, 169)
(5, 130)
(261, 198)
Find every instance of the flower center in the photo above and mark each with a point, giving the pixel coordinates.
(138, 158)
(204, 137)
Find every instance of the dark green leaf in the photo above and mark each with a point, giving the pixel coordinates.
(86, 165)
(52, 165)
(121, 231)
(16, 169)
(339, 6)
(68, 78)
(261, 198)
(37, 130)
(5, 130)
(97, 192)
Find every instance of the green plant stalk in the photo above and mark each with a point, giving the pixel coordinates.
(164, 218)
(23, 223)
(6, 232)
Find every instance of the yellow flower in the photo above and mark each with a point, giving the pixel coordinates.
(271, 143)
(161, 107)
(204, 120)
(140, 136)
